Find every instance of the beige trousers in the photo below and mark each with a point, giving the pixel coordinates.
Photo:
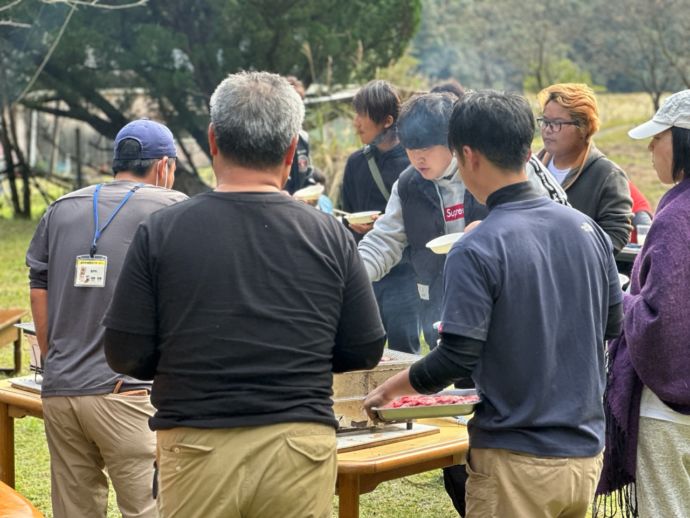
(504, 484)
(91, 435)
(284, 470)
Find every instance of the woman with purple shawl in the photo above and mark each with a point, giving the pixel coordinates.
(647, 400)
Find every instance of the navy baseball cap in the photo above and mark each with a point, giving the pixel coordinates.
(155, 141)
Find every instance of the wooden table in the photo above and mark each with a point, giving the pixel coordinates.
(14, 505)
(358, 471)
(10, 334)
(14, 403)
(362, 470)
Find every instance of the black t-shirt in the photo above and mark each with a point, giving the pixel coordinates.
(253, 298)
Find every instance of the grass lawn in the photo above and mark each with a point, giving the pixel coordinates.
(421, 495)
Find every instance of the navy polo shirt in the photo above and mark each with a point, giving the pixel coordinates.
(534, 281)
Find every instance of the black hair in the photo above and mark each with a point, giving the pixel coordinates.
(137, 166)
(499, 125)
(297, 85)
(318, 176)
(377, 100)
(680, 165)
(451, 86)
(424, 120)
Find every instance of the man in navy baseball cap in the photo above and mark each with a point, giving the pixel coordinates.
(95, 419)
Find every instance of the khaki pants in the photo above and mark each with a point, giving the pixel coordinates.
(284, 470)
(88, 435)
(504, 484)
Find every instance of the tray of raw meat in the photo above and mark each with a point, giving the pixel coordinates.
(443, 404)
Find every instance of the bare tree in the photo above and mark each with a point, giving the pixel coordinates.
(16, 165)
(671, 23)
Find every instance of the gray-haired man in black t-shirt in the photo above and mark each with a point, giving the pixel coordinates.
(241, 304)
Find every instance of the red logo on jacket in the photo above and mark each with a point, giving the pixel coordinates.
(454, 212)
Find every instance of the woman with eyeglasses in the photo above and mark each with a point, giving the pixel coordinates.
(647, 399)
(593, 183)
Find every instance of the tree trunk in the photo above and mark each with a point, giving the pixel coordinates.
(22, 209)
(9, 166)
(25, 211)
(189, 183)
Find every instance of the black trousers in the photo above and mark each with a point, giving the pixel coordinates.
(455, 477)
(454, 480)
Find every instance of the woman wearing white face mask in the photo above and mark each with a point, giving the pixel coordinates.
(648, 391)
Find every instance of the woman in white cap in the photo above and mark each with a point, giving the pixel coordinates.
(648, 393)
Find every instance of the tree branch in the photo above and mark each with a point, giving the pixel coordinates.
(46, 58)
(11, 23)
(94, 3)
(10, 5)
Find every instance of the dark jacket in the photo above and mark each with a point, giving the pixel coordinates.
(600, 190)
(423, 219)
(301, 169)
(359, 191)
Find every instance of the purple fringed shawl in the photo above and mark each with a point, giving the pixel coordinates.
(654, 348)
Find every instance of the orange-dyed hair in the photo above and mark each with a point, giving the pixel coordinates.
(579, 100)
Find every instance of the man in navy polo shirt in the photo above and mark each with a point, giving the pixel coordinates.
(530, 295)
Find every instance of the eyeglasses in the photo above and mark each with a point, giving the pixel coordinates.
(554, 126)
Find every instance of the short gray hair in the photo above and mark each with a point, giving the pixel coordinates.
(255, 116)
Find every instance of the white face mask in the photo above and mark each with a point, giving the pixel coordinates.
(165, 181)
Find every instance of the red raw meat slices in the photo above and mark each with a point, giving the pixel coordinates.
(413, 401)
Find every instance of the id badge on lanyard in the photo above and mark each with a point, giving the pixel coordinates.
(91, 270)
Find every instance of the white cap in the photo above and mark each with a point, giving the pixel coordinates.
(674, 112)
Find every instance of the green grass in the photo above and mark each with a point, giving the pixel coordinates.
(420, 495)
(32, 461)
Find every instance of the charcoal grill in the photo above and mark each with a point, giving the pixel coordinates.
(350, 390)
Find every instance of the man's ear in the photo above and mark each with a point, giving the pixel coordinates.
(468, 157)
(290, 153)
(212, 144)
(388, 121)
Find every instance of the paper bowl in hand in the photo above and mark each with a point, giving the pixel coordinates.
(443, 244)
(310, 193)
(362, 218)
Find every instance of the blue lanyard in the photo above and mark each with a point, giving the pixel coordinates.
(97, 232)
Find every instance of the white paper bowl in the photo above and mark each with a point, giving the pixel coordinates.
(311, 193)
(443, 244)
(362, 218)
